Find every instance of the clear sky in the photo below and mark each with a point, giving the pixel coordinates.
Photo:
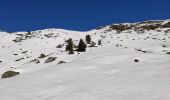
(82, 15)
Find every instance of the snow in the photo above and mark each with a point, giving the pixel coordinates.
(107, 72)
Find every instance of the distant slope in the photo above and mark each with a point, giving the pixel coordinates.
(109, 71)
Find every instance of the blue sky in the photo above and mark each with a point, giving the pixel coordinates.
(82, 15)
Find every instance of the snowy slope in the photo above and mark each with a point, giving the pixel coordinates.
(106, 72)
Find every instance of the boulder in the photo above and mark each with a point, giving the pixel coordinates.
(9, 74)
(42, 56)
(136, 60)
(50, 59)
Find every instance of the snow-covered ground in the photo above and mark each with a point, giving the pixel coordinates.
(106, 72)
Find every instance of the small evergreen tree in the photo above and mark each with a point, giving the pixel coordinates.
(69, 46)
(81, 46)
(93, 44)
(88, 39)
(99, 42)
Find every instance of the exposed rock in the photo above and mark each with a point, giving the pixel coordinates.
(61, 62)
(48, 35)
(100, 27)
(144, 51)
(19, 59)
(59, 46)
(167, 25)
(167, 31)
(136, 60)
(120, 27)
(24, 52)
(50, 59)
(35, 61)
(17, 40)
(168, 53)
(151, 27)
(42, 56)
(9, 74)
(164, 46)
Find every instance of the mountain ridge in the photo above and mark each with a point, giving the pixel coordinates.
(165, 21)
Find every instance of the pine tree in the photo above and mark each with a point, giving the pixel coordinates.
(69, 46)
(81, 46)
(88, 39)
(99, 42)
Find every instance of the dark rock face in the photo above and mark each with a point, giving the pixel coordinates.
(9, 74)
(151, 27)
(120, 27)
(50, 59)
(140, 27)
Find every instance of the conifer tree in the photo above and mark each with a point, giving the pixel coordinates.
(81, 46)
(99, 42)
(88, 39)
(69, 46)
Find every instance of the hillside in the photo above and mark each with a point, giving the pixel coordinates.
(132, 63)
